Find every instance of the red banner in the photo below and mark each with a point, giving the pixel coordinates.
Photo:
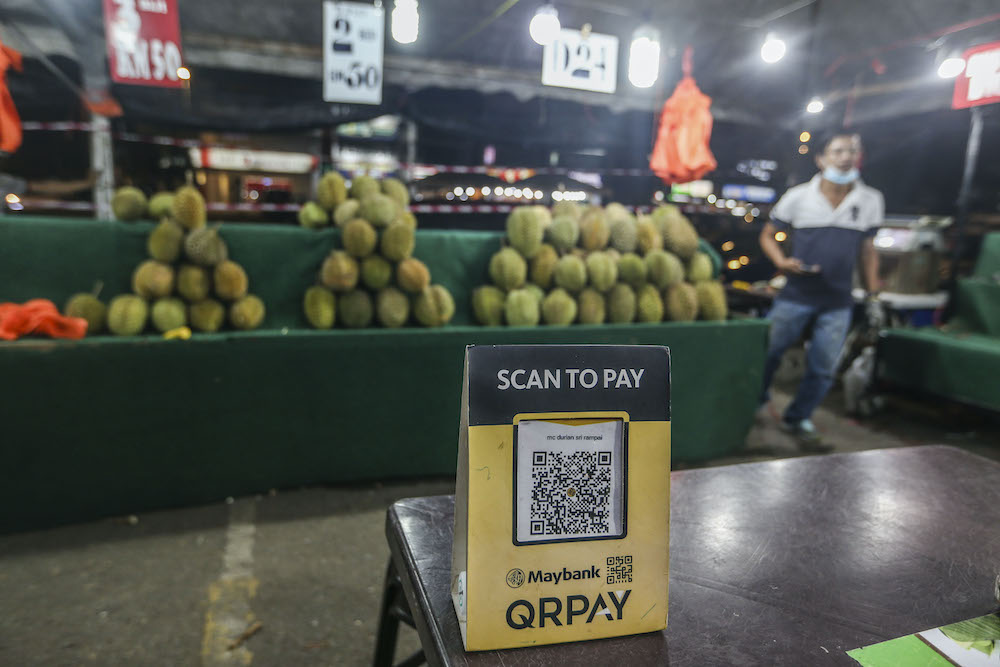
(980, 82)
(144, 42)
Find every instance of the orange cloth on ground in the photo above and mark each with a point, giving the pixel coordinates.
(10, 122)
(681, 153)
(38, 316)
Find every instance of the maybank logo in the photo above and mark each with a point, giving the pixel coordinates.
(563, 575)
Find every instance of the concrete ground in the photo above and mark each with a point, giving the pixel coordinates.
(304, 567)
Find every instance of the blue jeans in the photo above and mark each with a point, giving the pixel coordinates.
(788, 321)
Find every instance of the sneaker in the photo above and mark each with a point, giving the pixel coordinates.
(807, 435)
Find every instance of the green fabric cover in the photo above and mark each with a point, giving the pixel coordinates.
(988, 263)
(960, 366)
(978, 307)
(108, 425)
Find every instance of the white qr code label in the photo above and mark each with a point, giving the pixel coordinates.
(569, 480)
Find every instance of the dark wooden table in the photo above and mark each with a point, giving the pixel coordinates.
(789, 562)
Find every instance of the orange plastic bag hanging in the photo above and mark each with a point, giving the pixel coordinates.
(10, 122)
(681, 151)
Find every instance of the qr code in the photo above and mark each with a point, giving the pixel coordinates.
(571, 493)
(619, 569)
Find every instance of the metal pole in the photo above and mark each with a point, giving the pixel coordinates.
(965, 191)
(102, 163)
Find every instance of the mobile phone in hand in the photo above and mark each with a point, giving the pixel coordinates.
(810, 268)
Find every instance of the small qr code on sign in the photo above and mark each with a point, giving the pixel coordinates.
(569, 481)
(619, 570)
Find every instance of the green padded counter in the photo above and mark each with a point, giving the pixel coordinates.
(959, 366)
(107, 426)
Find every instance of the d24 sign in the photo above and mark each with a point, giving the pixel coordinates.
(587, 63)
(353, 38)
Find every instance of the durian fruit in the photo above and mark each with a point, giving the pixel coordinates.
(621, 304)
(434, 307)
(711, 300)
(521, 309)
(594, 229)
(320, 307)
(230, 280)
(128, 203)
(616, 211)
(488, 304)
(398, 241)
(354, 309)
(543, 266)
(591, 307)
(392, 307)
(699, 268)
(613, 254)
(648, 237)
(412, 275)
(346, 212)
(152, 279)
(376, 272)
(397, 191)
(536, 291)
(632, 270)
(362, 186)
(508, 270)
(679, 235)
(90, 308)
(312, 215)
(559, 308)
(649, 304)
(681, 303)
(542, 215)
(359, 238)
(525, 231)
(408, 219)
(379, 209)
(566, 208)
(127, 315)
(168, 313)
(207, 315)
(663, 269)
(205, 247)
(247, 313)
(165, 242)
(331, 190)
(189, 208)
(624, 234)
(602, 271)
(571, 273)
(564, 232)
(193, 282)
(161, 205)
(339, 271)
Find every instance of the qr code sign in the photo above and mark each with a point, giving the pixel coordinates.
(571, 493)
(619, 570)
(569, 481)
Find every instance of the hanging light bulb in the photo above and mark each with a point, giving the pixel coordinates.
(544, 26)
(405, 21)
(951, 66)
(815, 105)
(644, 57)
(773, 49)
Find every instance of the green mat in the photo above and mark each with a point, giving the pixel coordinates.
(107, 426)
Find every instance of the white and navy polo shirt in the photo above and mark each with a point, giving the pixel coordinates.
(828, 237)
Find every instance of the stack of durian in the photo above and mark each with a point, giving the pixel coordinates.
(595, 265)
(189, 282)
(374, 278)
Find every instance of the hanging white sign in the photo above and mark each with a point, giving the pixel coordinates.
(587, 63)
(353, 37)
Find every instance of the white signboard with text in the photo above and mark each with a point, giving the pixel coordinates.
(353, 37)
(587, 63)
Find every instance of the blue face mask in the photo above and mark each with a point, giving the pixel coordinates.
(839, 177)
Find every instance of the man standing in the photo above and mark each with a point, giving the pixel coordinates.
(831, 221)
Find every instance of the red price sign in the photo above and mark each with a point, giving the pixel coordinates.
(144, 42)
(980, 82)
